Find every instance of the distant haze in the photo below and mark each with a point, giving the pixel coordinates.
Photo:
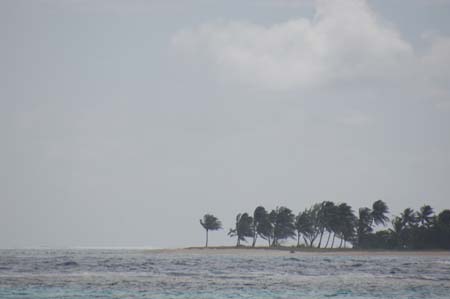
(122, 122)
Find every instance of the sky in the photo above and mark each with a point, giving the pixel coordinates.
(122, 122)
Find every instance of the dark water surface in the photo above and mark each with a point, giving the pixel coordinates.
(145, 274)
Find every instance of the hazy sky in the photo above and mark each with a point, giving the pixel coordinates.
(122, 122)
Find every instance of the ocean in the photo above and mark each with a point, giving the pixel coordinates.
(83, 274)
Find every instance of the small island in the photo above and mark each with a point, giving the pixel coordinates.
(330, 227)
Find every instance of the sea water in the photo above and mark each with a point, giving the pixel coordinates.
(149, 274)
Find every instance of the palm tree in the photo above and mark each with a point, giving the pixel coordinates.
(425, 215)
(324, 217)
(332, 222)
(210, 222)
(409, 232)
(397, 231)
(312, 215)
(243, 228)
(397, 225)
(409, 217)
(364, 226)
(265, 228)
(345, 226)
(369, 218)
(349, 231)
(260, 219)
(283, 225)
(303, 225)
(379, 211)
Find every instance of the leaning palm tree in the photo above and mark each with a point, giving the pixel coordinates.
(210, 222)
(332, 221)
(242, 229)
(265, 228)
(348, 230)
(324, 216)
(313, 231)
(260, 219)
(425, 215)
(284, 227)
(303, 226)
(345, 223)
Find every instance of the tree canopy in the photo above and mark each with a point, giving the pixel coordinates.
(243, 228)
(210, 222)
(323, 223)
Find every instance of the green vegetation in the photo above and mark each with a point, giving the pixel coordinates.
(210, 222)
(243, 228)
(325, 223)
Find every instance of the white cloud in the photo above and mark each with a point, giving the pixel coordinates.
(344, 42)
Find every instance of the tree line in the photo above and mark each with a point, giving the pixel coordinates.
(331, 225)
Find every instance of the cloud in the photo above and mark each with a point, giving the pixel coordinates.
(435, 68)
(345, 42)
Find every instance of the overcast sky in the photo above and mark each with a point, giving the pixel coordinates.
(122, 122)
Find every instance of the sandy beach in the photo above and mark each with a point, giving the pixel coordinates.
(261, 251)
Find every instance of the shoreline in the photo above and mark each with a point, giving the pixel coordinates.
(288, 251)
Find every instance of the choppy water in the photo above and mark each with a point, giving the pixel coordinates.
(139, 274)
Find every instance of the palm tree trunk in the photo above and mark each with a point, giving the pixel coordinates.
(328, 240)
(320, 240)
(340, 245)
(254, 239)
(268, 239)
(306, 242)
(238, 242)
(298, 239)
(206, 245)
(332, 243)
